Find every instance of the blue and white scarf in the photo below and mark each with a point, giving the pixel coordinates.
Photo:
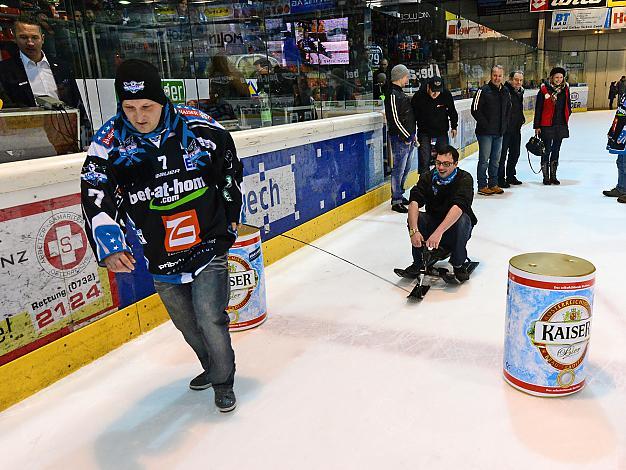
(439, 181)
(171, 123)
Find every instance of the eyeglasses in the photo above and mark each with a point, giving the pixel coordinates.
(443, 164)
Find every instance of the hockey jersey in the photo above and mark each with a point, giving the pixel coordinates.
(178, 188)
(617, 133)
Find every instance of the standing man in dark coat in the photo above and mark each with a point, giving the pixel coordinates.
(30, 73)
(621, 88)
(433, 107)
(491, 108)
(512, 138)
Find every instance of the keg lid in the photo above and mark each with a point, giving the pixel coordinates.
(247, 230)
(552, 264)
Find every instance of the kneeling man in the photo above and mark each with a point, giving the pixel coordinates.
(446, 193)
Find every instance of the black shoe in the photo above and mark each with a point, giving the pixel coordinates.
(503, 184)
(622, 199)
(405, 201)
(613, 193)
(412, 271)
(225, 399)
(200, 382)
(460, 272)
(399, 208)
(513, 181)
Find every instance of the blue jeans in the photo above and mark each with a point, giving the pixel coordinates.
(489, 148)
(454, 239)
(621, 173)
(401, 167)
(425, 150)
(198, 310)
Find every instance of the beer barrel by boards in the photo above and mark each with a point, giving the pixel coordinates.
(548, 323)
(247, 306)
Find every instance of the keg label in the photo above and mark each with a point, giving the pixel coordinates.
(562, 333)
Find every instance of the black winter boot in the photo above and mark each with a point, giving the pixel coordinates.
(553, 167)
(546, 174)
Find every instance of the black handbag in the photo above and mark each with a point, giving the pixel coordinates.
(535, 146)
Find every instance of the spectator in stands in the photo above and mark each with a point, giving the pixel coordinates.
(30, 73)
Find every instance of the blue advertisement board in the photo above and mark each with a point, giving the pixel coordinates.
(304, 6)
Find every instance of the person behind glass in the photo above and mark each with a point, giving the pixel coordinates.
(401, 131)
(31, 73)
(380, 86)
(612, 94)
(552, 111)
(491, 108)
(151, 153)
(512, 138)
(616, 145)
(621, 88)
(435, 113)
(446, 193)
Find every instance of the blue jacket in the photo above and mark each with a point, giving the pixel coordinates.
(617, 133)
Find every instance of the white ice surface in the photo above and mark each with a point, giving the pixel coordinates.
(346, 374)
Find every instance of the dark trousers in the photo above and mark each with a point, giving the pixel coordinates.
(553, 149)
(425, 149)
(454, 239)
(511, 142)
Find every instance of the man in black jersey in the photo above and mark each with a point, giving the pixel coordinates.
(172, 175)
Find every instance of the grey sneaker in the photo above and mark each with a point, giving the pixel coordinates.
(200, 382)
(225, 399)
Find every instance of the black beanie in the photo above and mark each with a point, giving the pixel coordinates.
(139, 80)
(556, 70)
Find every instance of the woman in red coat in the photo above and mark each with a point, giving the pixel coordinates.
(552, 111)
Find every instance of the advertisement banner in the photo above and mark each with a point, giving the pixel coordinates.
(578, 97)
(592, 18)
(618, 18)
(49, 279)
(467, 29)
(285, 188)
(175, 90)
(305, 6)
(550, 5)
(501, 7)
(617, 3)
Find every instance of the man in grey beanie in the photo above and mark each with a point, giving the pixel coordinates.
(401, 130)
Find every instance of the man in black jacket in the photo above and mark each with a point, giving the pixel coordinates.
(512, 138)
(434, 111)
(491, 108)
(446, 193)
(401, 131)
(30, 73)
